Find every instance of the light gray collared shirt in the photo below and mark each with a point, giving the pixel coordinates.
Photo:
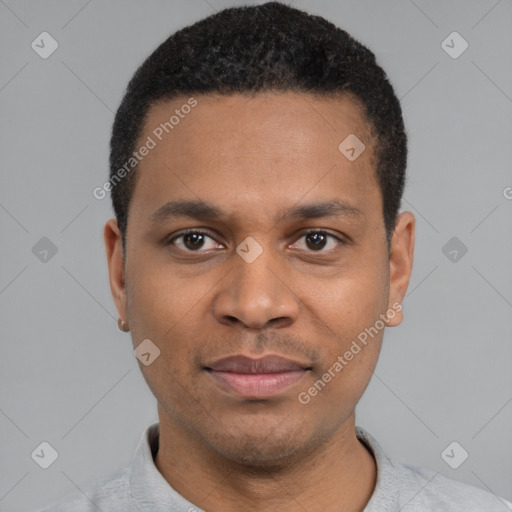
(400, 488)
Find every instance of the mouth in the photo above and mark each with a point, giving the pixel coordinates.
(264, 377)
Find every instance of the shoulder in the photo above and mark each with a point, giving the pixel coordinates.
(108, 495)
(406, 488)
(423, 489)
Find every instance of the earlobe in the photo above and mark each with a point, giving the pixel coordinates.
(400, 265)
(116, 268)
(394, 315)
(123, 326)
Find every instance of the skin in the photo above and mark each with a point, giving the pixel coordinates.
(256, 158)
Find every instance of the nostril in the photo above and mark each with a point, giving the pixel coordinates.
(281, 321)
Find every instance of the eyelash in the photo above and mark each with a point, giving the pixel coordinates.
(205, 233)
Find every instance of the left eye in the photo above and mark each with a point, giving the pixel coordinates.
(194, 240)
(317, 241)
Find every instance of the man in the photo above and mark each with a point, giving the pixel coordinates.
(257, 167)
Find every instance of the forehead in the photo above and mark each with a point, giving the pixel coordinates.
(244, 151)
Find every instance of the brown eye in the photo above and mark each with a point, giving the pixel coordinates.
(316, 240)
(194, 241)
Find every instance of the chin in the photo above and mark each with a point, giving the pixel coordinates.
(257, 446)
(259, 453)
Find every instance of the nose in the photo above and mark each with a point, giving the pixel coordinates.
(256, 296)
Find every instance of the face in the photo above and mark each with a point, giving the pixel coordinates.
(251, 234)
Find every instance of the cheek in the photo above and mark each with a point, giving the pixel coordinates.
(351, 300)
(346, 312)
(161, 311)
(159, 300)
(168, 310)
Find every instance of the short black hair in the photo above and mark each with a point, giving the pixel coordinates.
(251, 49)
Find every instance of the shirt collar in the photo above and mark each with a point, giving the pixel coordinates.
(385, 494)
(149, 490)
(152, 493)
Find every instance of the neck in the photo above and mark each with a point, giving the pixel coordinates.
(339, 475)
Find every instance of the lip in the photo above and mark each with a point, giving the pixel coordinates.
(264, 377)
(271, 363)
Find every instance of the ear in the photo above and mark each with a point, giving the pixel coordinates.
(115, 260)
(400, 264)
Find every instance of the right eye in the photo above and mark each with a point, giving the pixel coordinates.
(194, 240)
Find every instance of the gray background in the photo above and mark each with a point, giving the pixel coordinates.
(68, 376)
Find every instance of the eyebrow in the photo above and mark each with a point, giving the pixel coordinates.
(201, 210)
